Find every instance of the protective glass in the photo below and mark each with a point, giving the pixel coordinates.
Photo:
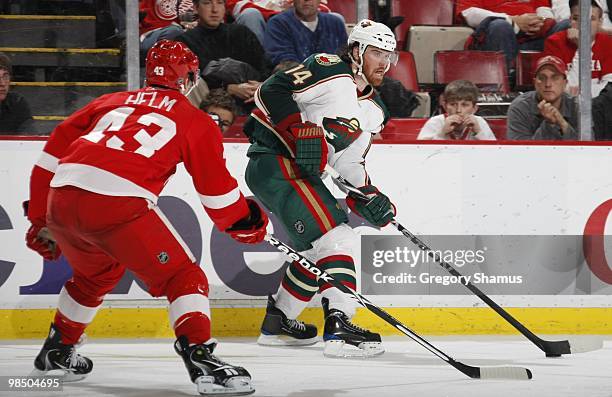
(382, 55)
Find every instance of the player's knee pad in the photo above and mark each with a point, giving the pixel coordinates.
(90, 291)
(189, 279)
(340, 240)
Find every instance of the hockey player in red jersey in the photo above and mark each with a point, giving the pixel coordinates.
(93, 194)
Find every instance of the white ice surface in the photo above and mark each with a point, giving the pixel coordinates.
(152, 369)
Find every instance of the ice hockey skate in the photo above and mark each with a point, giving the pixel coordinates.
(344, 339)
(212, 376)
(56, 358)
(278, 330)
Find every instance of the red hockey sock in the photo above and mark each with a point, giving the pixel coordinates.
(70, 330)
(195, 326)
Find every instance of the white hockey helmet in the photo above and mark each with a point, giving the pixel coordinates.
(375, 34)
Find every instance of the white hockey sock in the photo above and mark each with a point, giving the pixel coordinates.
(288, 304)
(340, 301)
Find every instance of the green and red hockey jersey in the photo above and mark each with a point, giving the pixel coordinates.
(321, 90)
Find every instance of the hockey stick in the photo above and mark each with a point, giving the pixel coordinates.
(472, 372)
(551, 348)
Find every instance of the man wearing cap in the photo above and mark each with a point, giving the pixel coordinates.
(548, 113)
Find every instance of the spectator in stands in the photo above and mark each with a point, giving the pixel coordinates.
(602, 115)
(15, 115)
(161, 19)
(561, 10)
(459, 121)
(508, 25)
(301, 31)
(548, 113)
(254, 13)
(220, 105)
(565, 45)
(212, 40)
(606, 6)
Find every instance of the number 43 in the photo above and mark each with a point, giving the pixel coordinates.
(113, 121)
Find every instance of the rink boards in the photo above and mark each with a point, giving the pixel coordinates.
(484, 190)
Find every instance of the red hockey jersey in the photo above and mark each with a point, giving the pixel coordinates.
(161, 13)
(267, 8)
(601, 64)
(129, 144)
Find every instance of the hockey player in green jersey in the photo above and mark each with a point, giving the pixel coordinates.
(324, 111)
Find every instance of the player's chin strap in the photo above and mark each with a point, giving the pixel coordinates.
(360, 64)
(551, 348)
(194, 82)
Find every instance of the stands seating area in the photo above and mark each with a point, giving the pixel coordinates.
(485, 69)
(61, 62)
(57, 65)
(417, 12)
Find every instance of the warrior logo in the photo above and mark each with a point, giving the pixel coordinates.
(299, 226)
(163, 257)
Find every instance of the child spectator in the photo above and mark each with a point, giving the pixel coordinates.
(220, 106)
(459, 121)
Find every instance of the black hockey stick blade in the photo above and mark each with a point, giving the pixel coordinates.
(516, 373)
(550, 348)
(508, 373)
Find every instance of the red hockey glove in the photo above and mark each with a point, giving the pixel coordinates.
(310, 147)
(39, 240)
(252, 229)
(377, 209)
